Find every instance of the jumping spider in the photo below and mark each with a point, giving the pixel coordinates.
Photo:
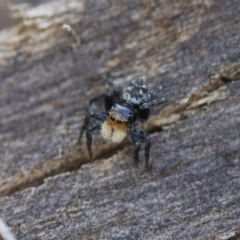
(123, 111)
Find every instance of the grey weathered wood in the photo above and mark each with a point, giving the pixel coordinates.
(47, 77)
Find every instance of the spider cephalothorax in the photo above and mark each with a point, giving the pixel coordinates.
(122, 114)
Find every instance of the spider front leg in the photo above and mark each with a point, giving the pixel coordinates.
(89, 127)
(137, 137)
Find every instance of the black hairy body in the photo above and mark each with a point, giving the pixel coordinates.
(122, 112)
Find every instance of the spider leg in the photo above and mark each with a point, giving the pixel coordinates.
(114, 97)
(97, 98)
(109, 99)
(98, 115)
(153, 103)
(90, 128)
(112, 85)
(156, 90)
(137, 137)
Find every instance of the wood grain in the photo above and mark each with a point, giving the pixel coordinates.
(48, 187)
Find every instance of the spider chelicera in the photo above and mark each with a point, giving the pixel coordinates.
(123, 111)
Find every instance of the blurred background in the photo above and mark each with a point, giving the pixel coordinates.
(5, 17)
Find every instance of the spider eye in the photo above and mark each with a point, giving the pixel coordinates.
(112, 118)
(119, 121)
